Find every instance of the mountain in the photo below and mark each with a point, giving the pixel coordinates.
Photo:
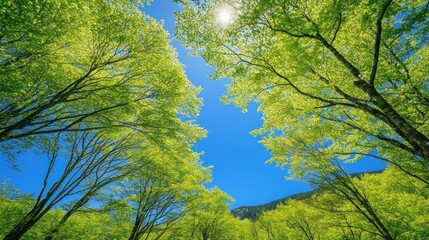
(253, 212)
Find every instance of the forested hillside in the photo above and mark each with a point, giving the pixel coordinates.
(94, 92)
(254, 212)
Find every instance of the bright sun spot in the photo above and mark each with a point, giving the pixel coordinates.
(224, 16)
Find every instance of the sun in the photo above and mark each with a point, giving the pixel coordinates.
(224, 16)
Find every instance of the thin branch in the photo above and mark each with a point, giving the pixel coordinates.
(378, 42)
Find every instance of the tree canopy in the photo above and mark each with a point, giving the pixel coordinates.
(333, 79)
(89, 65)
(96, 88)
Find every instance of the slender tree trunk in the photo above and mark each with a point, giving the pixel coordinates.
(26, 223)
(64, 219)
(415, 138)
(133, 235)
(18, 231)
(205, 235)
(135, 232)
(353, 195)
(396, 121)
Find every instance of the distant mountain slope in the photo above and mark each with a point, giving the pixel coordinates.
(253, 212)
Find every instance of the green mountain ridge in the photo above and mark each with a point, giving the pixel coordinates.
(253, 212)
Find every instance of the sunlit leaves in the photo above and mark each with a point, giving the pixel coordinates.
(301, 60)
(398, 200)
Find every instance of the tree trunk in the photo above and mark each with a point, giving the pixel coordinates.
(135, 232)
(22, 227)
(415, 138)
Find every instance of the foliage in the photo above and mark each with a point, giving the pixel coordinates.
(399, 202)
(80, 226)
(253, 212)
(334, 79)
(67, 70)
(208, 218)
(158, 193)
(96, 86)
(112, 108)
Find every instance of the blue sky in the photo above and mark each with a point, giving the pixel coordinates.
(237, 157)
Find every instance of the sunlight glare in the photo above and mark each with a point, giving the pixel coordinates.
(224, 16)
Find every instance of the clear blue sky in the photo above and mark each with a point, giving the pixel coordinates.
(237, 157)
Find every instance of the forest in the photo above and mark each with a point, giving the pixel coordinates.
(95, 88)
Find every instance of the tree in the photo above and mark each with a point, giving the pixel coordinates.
(157, 199)
(346, 76)
(91, 163)
(296, 219)
(64, 69)
(207, 218)
(13, 205)
(386, 205)
(336, 181)
(93, 225)
(157, 193)
(83, 225)
(115, 163)
(101, 96)
(375, 205)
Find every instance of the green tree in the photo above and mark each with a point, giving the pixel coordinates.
(159, 192)
(83, 225)
(387, 205)
(294, 220)
(88, 65)
(99, 84)
(336, 181)
(13, 205)
(348, 77)
(93, 225)
(207, 218)
(91, 163)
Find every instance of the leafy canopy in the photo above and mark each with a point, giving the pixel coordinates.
(334, 79)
